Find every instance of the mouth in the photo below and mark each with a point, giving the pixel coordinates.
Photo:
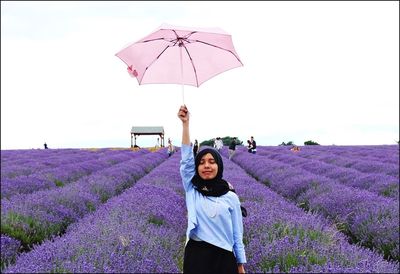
(207, 172)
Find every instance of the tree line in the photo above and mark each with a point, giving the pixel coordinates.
(228, 139)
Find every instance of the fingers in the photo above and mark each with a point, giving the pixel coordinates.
(183, 114)
(183, 111)
(183, 108)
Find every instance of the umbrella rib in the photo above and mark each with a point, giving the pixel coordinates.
(194, 68)
(186, 36)
(154, 61)
(219, 48)
(156, 39)
(187, 51)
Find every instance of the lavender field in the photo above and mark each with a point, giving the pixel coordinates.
(323, 209)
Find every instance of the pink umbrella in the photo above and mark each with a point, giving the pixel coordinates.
(180, 55)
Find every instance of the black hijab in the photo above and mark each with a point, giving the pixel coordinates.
(214, 187)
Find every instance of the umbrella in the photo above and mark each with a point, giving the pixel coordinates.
(180, 55)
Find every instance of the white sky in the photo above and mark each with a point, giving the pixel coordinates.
(324, 71)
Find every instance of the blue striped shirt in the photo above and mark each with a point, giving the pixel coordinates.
(216, 220)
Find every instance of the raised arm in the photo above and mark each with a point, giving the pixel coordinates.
(183, 114)
(187, 168)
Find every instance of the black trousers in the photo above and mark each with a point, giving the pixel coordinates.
(202, 257)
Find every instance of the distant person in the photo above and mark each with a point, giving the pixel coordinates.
(253, 145)
(45, 146)
(219, 144)
(158, 143)
(295, 149)
(232, 148)
(214, 234)
(195, 147)
(171, 148)
(249, 146)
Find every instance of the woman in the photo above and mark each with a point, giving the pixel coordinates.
(214, 242)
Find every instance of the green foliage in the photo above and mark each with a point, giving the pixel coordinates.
(290, 143)
(59, 269)
(156, 220)
(284, 261)
(26, 229)
(207, 143)
(59, 183)
(5, 262)
(178, 258)
(101, 192)
(391, 190)
(310, 143)
(267, 182)
(225, 140)
(90, 206)
(304, 205)
(281, 230)
(288, 260)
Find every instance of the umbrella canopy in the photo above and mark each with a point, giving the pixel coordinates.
(180, 55)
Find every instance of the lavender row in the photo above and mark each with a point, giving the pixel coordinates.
(63, 207)
(20, 156)
(63, 174)
(286, 239)
(143, 230)
(378, 154)
(381, 153)
(140, 231)
(43, 214)
(380, 184)
(382, 165)
(369, 219)
(48, 160)
(15, 163)
(354, 162)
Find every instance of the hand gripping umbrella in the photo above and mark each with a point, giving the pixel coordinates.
(180, 55)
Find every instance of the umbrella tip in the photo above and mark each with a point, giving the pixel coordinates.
(132, 72)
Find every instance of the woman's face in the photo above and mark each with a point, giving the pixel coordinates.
(208, 168)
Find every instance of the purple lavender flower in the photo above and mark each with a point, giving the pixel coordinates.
(10, 247)
(367, 218)
(143, 228)
(40, 215)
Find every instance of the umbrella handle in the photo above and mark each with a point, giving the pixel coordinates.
(183, 86)
(183, 94)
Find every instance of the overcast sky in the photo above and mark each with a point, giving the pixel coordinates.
(324, 71)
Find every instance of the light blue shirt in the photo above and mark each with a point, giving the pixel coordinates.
(216, 220)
